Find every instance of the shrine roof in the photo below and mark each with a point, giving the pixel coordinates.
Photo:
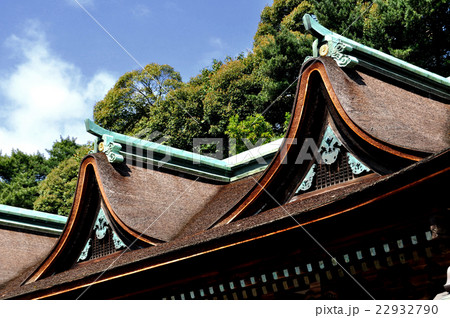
(27, 236)
(161, 203)
(349, 53)
(176, 205)
(40, 222)
(227, 170)
(313, 209)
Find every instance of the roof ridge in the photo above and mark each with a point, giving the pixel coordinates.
(41, 222)
(226, 170)
(349, 53)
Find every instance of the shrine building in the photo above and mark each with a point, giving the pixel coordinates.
(353, 203)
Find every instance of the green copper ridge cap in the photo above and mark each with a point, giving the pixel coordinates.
(349, 53)
(31, 220)
(99, 131)
(143, 151)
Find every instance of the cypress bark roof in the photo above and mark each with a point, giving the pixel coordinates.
(169, 212)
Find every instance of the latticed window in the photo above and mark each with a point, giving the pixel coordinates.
(338, 172)
(103, 240)
(102, 247)
(337, 166)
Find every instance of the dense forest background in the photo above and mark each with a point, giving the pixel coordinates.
(247, 96)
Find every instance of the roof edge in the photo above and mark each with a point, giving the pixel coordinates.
(241, 232)
(226, 170)
(349, 53)
(35, 221)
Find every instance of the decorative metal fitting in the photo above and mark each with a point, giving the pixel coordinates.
(100, 229)
(85, 252)
(356, 165)
(101, 225)
(111, 149)
(329, 147)
(308, 180)
(323, 51)
(343, 60)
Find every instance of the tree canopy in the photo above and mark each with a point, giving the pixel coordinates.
(56, 192)
(19, 177)
(260, 82)
(249, 96)
(22, 175)
(416, 31)
(134, 96)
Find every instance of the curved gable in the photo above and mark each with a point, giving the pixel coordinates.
(89, 196)
(327, 94)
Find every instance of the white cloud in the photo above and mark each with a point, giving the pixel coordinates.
(140, 10)
(45, 97)
(217, 50)
(216, 42)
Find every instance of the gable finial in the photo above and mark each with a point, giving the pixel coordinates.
(349, 53)
(111, 149)
(329, 43)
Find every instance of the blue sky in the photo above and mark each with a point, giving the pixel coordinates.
(56, 62)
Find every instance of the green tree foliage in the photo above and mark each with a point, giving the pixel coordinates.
(133, 97)
(252, 131)
(57, 191)
(179, 117)
(281, 58)
(281, 14)
(262, 81)
(416, 31)
(20, 174)
(61, 150)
